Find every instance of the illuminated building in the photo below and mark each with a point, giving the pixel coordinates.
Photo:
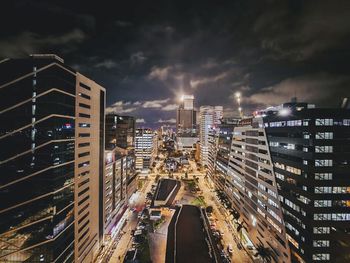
(145, 148)
(209, 118)
(289, 167)
(53, 132)
(120, 131)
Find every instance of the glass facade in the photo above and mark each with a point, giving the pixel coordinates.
(37, 130)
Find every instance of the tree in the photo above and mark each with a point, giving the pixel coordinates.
(264, 253)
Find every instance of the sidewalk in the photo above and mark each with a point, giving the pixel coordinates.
(230, 234)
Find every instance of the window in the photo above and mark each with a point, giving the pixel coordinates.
(84, 134)
(83, 105)
(324, 122)
(318, 257)
(83, 154)
(293, 170)
(346, 122)
(84, 144)
(322, 203)
(341, 190)
(341, 217)
(294, 123)
(326, 163)
(274, 144)
(280, 176)
(279, 165)
(322, 230)
(84, 164)
(292, 205)
(324, 135)
(323, 176)
(322, 217)
(84, 86)
(290, 146)
(323, 190)
(323, 149)
(84, 96)
(83, 115)
(292, 241)
(321, 243)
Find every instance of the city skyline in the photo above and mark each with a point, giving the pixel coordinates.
(147, 55)
(175, 131)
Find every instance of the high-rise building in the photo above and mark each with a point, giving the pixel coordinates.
(144, 148)
(289, 169)
(52, 127)
(115, 191)
(209, 120)
(219, 153)
(186, 117)
(120, 131)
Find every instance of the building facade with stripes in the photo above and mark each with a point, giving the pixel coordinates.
(51, 161)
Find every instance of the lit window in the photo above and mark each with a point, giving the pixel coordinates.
(323, 149)
(324, 122)
(326, 163)
(322, 230)
(324, 135)
(319, 257)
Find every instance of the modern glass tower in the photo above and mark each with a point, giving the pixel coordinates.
(51, 140)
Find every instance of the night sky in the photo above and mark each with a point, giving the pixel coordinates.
(147, 53)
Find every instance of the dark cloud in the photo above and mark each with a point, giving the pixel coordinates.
(147, 54)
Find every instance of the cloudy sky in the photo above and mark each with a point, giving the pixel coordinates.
(147, 53)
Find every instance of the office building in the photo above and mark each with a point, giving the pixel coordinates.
(115, 191)
(144, 148)
(120, 131)
(186, 116)
(310, 152)
(289, 167)
(52, 127)
(219, 153)
(209, 118)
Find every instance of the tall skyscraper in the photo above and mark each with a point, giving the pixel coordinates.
(144, 148)
(209, 120)
(219, 153)
(186, 117)
(52, 127)
(289, 167)
(120, 131)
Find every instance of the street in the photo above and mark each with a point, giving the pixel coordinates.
(157, 239)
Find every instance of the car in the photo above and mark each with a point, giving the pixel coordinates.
(230, 249)
(239, 246)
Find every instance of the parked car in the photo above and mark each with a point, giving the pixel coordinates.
(239, 246)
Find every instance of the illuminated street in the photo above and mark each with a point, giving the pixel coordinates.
(175, 131)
